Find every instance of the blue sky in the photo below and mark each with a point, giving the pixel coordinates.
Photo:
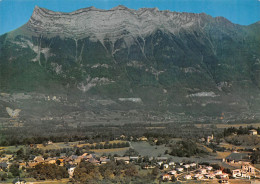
(15, 13)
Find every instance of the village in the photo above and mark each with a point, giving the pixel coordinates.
(235, 165)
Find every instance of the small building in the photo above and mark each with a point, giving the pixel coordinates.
(122, 136)
(125, 159)
(224, 180)
(134, 158)
(188, 177)
(198, 176)
(222, 176)
(210, 138)
(187, 166)
(203, 171)
(236, 173)
(248, 168)
(165, 166)
(143, 138)
(209, 168)
(104, 160)
(210, 176)
(71, 171)
(50, 160)
(166, 177)
(171, 163)
(19, 181)
(180, 169)
(172, 172)
(252, 132)
(160, 163)
(218, 172)
(39, 159)
(193, 164)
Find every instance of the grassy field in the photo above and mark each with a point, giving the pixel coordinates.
(62, 145)
(55, 146)
(119, 151)
(205, 148)
(144, 148)
(230, 146)
(12, 148)
(221, 155)
(110, 142)
(257, 166)
(71, 145)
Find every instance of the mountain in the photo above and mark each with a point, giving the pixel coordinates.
(96, 65)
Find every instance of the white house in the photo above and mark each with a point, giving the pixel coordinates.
(172, 172)
(187, 166)
(209, 168)
(203, 171)
(165, 166)
(253, 132)
(188, 177)
(236, 173)
(198, 176)
(71, 171)
(171, 163)
(179, 169)
(210, 176)
(248, 168)
(166, 177)
(218, 172)
(159, 163)
(193, 164)
(223, 176)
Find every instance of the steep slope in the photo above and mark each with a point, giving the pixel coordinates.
(173, 64)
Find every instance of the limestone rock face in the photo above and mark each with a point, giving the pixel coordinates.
(114, 23)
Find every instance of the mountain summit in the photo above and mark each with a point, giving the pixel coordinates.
(114, 23)
(175, 66)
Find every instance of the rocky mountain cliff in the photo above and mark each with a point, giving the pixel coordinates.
(176, 66)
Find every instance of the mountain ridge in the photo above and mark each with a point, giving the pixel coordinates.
(163, 62)
(99, 21)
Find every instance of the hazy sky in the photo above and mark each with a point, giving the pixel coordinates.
(15, 13)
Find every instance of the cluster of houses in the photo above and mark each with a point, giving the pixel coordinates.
(246, 171)
(70, 162)
(194, 171)
(242, 163)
